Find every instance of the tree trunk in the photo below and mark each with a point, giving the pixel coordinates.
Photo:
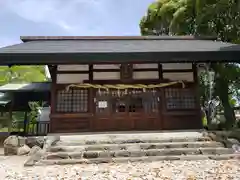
(222, 88)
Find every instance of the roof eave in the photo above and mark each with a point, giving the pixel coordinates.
(133, 57)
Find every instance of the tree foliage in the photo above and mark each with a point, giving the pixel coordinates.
(19, 74)
(217, 18)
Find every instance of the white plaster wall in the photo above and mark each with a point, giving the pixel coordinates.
(186, 76)
(74, 67)
(106, 66)
(177, 66)
(141, 66)
(71, 78)
(106, 75)
(146, 75)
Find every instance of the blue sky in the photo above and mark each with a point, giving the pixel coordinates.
(69, 17)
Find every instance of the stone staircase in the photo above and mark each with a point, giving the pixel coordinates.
(134, 148)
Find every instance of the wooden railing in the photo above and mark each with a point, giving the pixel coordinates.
(31, 128)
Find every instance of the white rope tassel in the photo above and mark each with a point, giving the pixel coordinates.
(119, 93)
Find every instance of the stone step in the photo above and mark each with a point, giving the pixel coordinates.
(137, 159)
(138, 153)
(143, 146)
(78, 142)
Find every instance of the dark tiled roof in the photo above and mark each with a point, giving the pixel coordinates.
(70, 50)
(116, 46)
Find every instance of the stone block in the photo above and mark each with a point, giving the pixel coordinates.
(34, 150)
(23, 150)
(162, 158)
(138, 159)
(222, 157)
(121, 154)
(106, 154)
(133, 147)
(149, 146)
(75, 155)
(193, 157)
(90, 142)
(95, 148)
(68, 161)
(90, 154)
(22, 141)
(11, 141)
(10, 150)
(137, 153)
(100, 160)
(115, 147)
(216, 151)
(57, 156)
(32, 160)
(121, 160)
(153, 152)
(35, 141)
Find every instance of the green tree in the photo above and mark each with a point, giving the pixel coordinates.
(20, 74)
(218, 18)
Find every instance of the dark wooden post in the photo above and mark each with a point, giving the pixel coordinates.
(196, 85)
(91, 98)
(25, 123)
(53, 71)
(10, 119)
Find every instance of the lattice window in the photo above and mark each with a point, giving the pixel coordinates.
(130, 100)
(180, 99)
(80, 100)
(153, 99)
(74, 100)
(135, 100)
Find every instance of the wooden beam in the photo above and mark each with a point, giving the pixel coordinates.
(160, 71)
(53, 94)
(72, 72)
(176, 70)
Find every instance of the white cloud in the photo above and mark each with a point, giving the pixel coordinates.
(66, 14)
(79, 17)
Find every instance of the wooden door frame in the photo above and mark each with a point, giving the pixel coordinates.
(130, 116)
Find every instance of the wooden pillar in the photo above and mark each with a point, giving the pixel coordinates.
(53, 71)
(10, 119)
(196, 85)
(91, 98)
(161, 98)
(25, 123)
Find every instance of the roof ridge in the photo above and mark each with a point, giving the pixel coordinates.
(40, 38)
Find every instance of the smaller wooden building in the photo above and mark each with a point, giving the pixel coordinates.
(14, 101)
(122, 83)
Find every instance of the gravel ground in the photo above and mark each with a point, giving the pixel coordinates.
(11, 168)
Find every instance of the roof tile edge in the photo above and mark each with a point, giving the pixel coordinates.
(41, 38)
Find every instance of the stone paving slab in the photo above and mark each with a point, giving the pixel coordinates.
(103, 147)
(71, 142)
(127, 136)
(139, 153)
(138, 159)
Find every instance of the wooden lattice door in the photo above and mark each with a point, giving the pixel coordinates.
(130, 109)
